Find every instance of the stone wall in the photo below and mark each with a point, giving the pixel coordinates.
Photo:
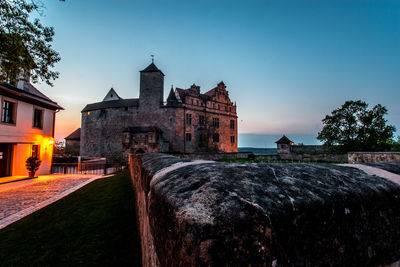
(325, 157)
(214, 156)
(316, 153)
(198, 213)
(360, 157)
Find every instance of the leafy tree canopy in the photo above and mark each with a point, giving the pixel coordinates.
(354, 127)
(25, 44)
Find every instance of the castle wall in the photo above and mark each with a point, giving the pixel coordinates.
(102, 132)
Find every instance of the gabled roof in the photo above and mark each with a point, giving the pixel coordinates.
(30, 95)
(133, 102)
(112, 95)
(152, 68)
(284, 140)
(75, 135)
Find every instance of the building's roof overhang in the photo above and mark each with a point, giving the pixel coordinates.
(33, 96)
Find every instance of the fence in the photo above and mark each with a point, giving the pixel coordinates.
(85, 168)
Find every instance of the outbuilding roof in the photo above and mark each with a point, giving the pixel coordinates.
(132, 102)
(75, 135)
(284, 140)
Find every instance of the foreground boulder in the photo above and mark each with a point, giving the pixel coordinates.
(196, 213)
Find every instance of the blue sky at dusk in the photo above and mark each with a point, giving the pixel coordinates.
(286, 63)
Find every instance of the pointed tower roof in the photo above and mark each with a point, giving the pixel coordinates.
(172, 96)
(152, 68)
(111, 95)
(284, 140)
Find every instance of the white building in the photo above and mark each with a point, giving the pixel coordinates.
(27, 120)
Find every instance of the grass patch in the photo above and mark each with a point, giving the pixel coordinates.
(94, 226)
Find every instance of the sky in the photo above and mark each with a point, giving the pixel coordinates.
(287, 64)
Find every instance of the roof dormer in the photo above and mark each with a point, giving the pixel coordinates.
(111, 95)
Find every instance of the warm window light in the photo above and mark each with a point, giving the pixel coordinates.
(51, 142)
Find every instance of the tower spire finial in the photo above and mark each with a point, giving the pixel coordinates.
(152, 58)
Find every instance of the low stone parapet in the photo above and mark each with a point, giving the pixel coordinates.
(204, 213)
(367, 157)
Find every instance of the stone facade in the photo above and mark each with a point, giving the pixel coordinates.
(188, 122)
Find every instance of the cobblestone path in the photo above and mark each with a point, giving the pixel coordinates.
(20, 199)
(376, 171)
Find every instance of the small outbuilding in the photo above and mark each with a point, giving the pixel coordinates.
(73, 143)
(283, 145)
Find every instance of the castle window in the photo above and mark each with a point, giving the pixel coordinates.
(232, 124)
(197, 102)
(215, 122)
(202, 120)
(226, 109)
(192, 101)
(188, 137)
(213, 105)
(189, 119)
(218, 107)
(230, 109)
(38, 118)
(215, 138)
(8, 114)
(232, 139)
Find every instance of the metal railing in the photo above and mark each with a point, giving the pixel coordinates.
(85, 168)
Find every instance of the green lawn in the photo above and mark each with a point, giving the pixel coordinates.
(94, 226)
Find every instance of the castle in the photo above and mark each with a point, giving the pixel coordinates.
(187, 122)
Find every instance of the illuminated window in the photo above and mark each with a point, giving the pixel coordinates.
(36, 151)
(8, 112)
(188, 137)
(38, 118)
(189, 119)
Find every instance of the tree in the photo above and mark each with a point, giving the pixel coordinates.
(354, 127)
(25, 45)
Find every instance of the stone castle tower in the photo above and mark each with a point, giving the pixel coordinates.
(151, 88)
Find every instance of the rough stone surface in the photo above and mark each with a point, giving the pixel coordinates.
(214, 213)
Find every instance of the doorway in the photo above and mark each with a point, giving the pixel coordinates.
(5, 159)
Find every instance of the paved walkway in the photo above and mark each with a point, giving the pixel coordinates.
(21, 198)
(376, 171)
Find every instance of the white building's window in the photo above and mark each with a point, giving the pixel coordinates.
(8, 112)
(38, 118)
